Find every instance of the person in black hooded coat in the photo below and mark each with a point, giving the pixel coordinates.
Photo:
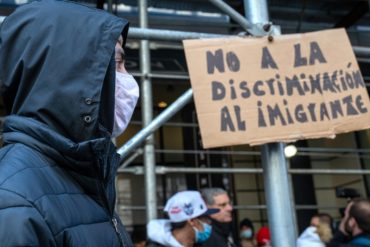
(58, 164)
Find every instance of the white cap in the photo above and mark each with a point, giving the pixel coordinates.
(186, 205)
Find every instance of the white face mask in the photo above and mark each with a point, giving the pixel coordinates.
(126, 96)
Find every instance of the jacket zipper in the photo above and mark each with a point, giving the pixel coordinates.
(113, 220)
(119, 235)
(102, 194)
(111, 214)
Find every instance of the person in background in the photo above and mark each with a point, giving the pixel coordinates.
(354, 229)
(246, 230)
(138, 236)
(222, 222)
(318, 233)
(322, 217)
(188, 223)
(263, 237)
(66, 94)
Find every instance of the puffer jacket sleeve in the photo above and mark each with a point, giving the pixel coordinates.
(21, 224)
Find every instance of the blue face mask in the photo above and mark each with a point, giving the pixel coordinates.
(201, 237)
(246, 234)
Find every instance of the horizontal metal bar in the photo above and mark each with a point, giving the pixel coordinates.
(363, 60)
(333, 150)
(163, 76)
(333, 155)
(171, 124)
(205, 152)
(166, 170)
(257, 153)
(176, 76)
(168, 35)
(361, 51)
(330, 171)
(337, 154)
(169, 76)
(138, 170)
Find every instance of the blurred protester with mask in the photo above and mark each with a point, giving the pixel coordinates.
(188, 223)
(318, 233)
(222, 221)
(354, 229)
(246, 233)
(66, 93)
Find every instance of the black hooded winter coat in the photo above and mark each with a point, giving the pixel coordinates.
(58, 164)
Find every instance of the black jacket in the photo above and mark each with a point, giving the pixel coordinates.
(58, 164)
(341, 240)
(221, 235)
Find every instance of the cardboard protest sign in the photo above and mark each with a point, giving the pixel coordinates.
(252, 91)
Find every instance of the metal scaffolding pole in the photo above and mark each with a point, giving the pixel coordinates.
(257, 13)
(110, 6)
(278, 196)
(168, 35)
(147, 116)
(135, 141)
(281, 214)
(238, 18)
(361, 51)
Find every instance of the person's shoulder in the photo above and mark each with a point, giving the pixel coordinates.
(14, 180)
(151, 243)
(23, 167)
(341, 240)
(18, 157)
(17, 215)
(16, 161)
(31, 175)
(14, 207)
(16, 204)
(361, 240)
(11, 199)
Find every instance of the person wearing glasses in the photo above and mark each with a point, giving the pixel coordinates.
(222, 221)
